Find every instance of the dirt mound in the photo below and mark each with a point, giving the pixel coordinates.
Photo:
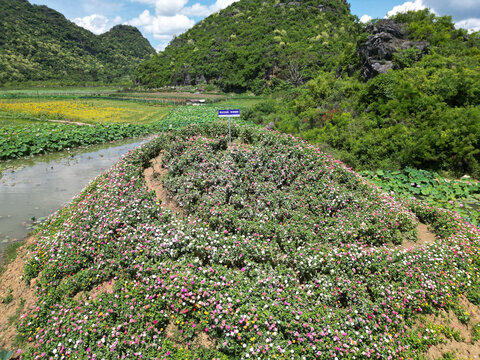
(200, 339)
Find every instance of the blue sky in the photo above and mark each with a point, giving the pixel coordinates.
(160, 20)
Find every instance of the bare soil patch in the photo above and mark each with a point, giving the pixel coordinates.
(70, 122)
(464, 349)
(24, 296)
(424, 236)
(201, 338)
(153, 177)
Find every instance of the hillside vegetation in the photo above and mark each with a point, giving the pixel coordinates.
(38, 43)
(424, 113)
(253, 43)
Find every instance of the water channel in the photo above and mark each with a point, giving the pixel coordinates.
(34, 188)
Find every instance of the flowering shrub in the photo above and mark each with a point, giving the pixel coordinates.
(281, 256)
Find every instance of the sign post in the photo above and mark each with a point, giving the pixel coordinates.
(229, 113)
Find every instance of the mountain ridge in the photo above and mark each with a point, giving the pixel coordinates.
(251, 43)
(38, 43)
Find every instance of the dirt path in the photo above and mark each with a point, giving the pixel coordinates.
(24, 297)
(463, 349)
(153, 177)
(425, 236)
(68, 122)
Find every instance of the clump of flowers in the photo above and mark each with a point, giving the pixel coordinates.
(284, 253)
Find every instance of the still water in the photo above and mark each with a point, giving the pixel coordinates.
(38, 186)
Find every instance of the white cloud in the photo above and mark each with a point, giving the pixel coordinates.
(197, 10)
(465, 13)
(222, 4)
(162, 28)
(458, 9)
(472, 24)
(365, 18)
(172, 17)
(165, 7)
(162, 25)
(407, 6)
(202, 10)
(96, 23)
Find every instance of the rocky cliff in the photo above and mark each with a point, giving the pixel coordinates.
(386, 38)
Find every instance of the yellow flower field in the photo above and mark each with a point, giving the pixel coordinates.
(85, 111)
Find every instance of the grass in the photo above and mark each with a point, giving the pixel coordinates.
(10, 254)
(245, 103)
(9, 120)
(7, 299)
(49, 91)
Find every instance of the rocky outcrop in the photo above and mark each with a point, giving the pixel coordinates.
(387, 37)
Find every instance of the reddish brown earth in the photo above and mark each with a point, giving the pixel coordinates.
(10, 313)
(153, 177)
(464, 349)
(424, 235)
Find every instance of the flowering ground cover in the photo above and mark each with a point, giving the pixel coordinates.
(285, 253)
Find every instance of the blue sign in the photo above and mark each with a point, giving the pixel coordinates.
(229, 113)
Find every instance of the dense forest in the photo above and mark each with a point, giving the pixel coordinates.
(38, 43)
(420, 108)
(252, 44)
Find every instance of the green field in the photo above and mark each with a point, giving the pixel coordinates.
(62, 118)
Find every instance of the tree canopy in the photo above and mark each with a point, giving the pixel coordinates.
(424, 113)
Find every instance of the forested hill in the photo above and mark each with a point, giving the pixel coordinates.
(254, 42)
(39, 43)
(408, 96)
